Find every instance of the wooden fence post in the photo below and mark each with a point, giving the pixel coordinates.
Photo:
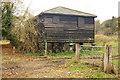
(77, 46)
(107, 60)
(110, 59)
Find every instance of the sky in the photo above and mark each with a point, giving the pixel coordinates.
(104, 9)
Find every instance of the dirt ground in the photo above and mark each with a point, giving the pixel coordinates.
(20, 66)
(47, 68)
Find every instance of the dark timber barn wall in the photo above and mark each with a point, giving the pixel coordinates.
(68, 28)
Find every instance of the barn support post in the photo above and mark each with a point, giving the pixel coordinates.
(77, 51)
(45, 48)
(71, 47)
(107, 60)
(13, 49)
(52, 47)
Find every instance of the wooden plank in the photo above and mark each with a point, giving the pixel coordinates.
(73, 41)
(68, 18)
(85, 34)
(70, 27)
(80, 21)
(89, 26)
(89, 20)
(48, 20)
(56, 19)
(67, 22)
(69, 39)
(93, 51)
(53, 25)
(48, 16)
(69, 36)
(92, 46)
(54, 29)
(70, 31)
(80, 30)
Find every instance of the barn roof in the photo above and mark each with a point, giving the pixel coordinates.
(67, 11)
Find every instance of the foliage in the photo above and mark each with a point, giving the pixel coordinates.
(97, 26)
(20, 28)
(7, 16)
(31, 36)
(108, 27)
(7, 19)
(8, 22)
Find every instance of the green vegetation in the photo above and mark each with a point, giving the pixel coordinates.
(5, 42)
(87, 71)
(98, 75)
(103, 40)
(108, 27)
(61, 55)
(116, 62)
(31, 54)
(7, 22)
(26, 34)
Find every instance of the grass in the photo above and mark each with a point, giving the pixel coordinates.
(31, 54)
(116, 62)
(4, 42)
(77, 67)
(114, 52)
(61, 55)
(98, 75)
(87, 71)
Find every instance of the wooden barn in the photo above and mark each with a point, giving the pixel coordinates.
(66, 25)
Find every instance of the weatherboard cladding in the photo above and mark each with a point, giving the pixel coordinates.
(67, 25)
(67, 11)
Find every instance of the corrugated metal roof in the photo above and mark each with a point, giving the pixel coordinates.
(67, 11)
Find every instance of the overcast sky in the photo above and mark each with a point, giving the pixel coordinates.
(104, 9)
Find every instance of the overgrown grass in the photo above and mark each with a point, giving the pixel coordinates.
(103, 40)
(100, 38)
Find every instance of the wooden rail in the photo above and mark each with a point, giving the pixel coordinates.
(107, 65)
(92, 46)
